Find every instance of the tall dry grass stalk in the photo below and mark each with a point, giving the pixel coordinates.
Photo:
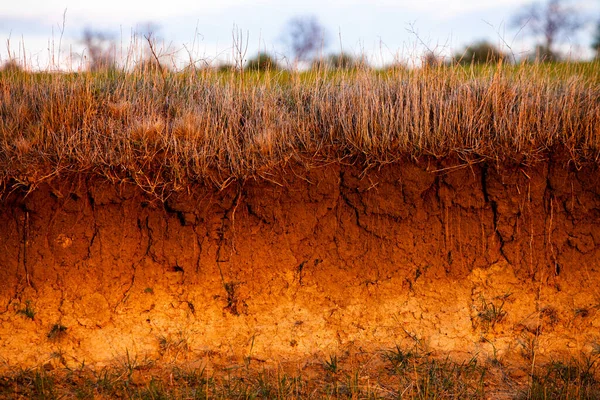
(164, 130)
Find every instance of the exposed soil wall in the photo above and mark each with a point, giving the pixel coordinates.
(467, 259)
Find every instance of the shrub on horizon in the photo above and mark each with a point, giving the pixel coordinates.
(11, 66)
(482, 52)
(262, 62)
(338, 61)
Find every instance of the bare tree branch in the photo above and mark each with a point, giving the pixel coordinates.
(306, 37)
(552, 21)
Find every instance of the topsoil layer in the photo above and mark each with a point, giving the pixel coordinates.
(465, 259)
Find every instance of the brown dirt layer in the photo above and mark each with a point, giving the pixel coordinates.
(467, 259)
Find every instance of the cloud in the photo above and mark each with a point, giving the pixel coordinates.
(441, 9)
(21, 25)
(438, 9)
(127, 13)
(115, 11)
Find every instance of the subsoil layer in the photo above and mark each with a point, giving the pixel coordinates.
(475, 259)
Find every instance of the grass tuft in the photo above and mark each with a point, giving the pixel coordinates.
(27, 311)
(57, 332)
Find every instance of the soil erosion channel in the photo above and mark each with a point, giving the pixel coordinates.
(466, 259)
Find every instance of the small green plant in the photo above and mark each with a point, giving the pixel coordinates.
(44, 385)
(149, 290)
(130, 363)
(57, 332)
(265, 386)
(352, 385)
(195, 377)
(28, 310)
(331, 365)
(288, 386)
(449, 379)
(550, 314)
(154, 391)
(104, 381)
(398, 358)
(491, 313)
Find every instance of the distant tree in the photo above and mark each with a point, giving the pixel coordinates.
(338, 61)
(543, 53)
(480, 53)
(342, 61)
(552, 21)
(305, 36)
(226, 67)
(11, 66)
(99, 49)
(262, 62)
(596, 40)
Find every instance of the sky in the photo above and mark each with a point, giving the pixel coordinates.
(204, 30)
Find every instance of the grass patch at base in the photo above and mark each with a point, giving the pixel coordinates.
(393, 373)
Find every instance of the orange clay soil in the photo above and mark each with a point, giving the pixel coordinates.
(468, 260)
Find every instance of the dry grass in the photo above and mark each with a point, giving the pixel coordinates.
(166, 130)
(392, 374)
(366, 376)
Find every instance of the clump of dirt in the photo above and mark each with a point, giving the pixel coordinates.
(466, 259)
